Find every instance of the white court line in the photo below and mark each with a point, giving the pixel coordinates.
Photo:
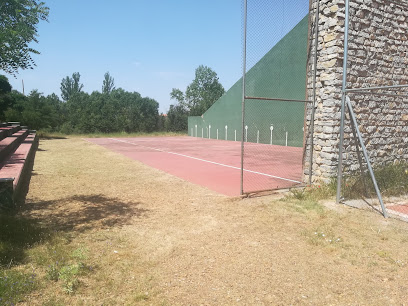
(207, 161)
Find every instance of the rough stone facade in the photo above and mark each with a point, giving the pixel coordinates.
(378, 56)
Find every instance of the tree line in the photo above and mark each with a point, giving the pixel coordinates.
(108, 111)
(111, 110)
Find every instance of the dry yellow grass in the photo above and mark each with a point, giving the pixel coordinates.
(155, 239)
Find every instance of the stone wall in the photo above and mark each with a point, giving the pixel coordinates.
(378, 48)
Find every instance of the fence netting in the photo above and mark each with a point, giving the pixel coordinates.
(376, 79)
(275, 93)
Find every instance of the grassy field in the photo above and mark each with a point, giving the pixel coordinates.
(100, 229)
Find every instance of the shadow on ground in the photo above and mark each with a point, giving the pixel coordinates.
(17, 234)
(84, 212)
(37, 221)
(50, 137)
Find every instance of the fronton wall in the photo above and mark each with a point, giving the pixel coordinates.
(378, 46)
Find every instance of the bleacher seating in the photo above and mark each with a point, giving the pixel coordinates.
(17, 151)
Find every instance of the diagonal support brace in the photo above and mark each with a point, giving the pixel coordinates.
(370, 168)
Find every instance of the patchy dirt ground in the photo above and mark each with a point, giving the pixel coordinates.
(158, 240)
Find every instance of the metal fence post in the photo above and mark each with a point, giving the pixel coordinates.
(243, 94)
(343, 100)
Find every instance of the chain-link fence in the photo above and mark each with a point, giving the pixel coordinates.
(320, 77)
(373, 163)
(275, 57)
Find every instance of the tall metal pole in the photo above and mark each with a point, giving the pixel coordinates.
(243, 94)
(314, 92)
(343, 101)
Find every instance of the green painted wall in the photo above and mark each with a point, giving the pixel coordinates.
(281, 73)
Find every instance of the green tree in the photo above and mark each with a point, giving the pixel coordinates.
(60, 109)
(161, 122)
(108, 84)
(6, 98)
(203, 91)
(178, 95)
(177, 119)
(18, 28)
(71, 86)
(5, 86)
(35, 111)
(119, 111)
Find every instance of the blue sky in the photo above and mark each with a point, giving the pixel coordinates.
(147, 46)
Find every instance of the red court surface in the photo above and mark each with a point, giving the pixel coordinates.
(215, 164)
(402, 209)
